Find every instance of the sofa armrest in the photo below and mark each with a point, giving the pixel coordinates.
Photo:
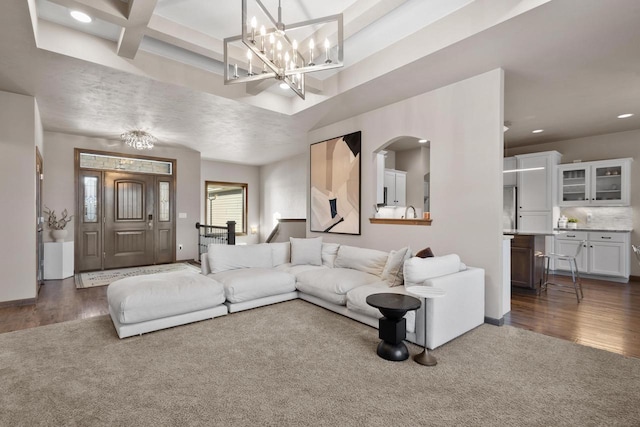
(459, 311)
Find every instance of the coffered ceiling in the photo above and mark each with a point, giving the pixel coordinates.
(570, 67)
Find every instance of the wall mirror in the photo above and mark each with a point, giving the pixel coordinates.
(403, 179)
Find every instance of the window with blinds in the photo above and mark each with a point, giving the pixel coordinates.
(226, 202)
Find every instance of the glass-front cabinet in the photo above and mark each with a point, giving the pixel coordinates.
(601, 183)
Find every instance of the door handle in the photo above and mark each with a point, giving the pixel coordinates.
(150, 225)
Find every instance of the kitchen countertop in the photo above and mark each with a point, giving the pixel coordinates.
(532, 233)
(601, 229)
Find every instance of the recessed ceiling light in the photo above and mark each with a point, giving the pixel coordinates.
(538, 131)
(283, 85)
(625, 115)
(80, 16)
(422, 141)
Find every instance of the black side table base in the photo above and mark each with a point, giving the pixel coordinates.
(393, 352)
(425, 359)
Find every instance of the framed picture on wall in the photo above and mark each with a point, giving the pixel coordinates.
(335, 185)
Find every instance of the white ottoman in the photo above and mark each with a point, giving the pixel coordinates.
(150, 302)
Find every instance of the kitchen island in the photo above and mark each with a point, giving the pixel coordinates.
(527, 260)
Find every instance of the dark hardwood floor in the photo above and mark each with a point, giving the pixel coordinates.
(607, 318)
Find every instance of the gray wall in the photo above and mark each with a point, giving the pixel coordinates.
(59, 187)
(464, 123)
(284, 187)
(20, 133)
(602, 147)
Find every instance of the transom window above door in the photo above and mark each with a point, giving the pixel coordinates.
(226, 201)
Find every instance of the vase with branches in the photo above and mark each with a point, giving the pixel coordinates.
(52, 220)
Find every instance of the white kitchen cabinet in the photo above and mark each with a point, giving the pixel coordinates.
(534, 221)
(536, 190)
(601, 183)
(380, 177)
(509, 178)
(603, 254)
(395, 182)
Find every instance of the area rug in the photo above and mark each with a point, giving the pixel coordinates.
(104, 277)
(293, 364)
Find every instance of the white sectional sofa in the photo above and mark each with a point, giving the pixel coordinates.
(340, 277)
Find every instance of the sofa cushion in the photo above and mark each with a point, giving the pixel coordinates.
(357, 301)
(252, 283)
(231, 257)
(297, 269)
(155, 296)
(306, 251)
(329, 253)
(392, 272)
(366, 260)
(417, 270)
(280, 253)
(333, 283)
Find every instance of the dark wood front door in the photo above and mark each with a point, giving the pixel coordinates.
(124, 220)
(129, 219)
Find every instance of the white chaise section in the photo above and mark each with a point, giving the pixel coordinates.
(150, 302)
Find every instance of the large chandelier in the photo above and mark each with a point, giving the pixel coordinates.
(138, 139)
(268, 49)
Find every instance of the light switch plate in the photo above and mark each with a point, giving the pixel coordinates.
(182, 215)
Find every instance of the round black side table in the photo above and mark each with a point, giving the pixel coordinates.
(393, 326)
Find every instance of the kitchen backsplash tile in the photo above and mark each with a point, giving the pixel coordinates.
(604, 217)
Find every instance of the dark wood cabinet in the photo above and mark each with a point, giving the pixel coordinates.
(527, 262)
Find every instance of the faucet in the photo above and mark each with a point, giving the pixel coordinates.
(406, 211)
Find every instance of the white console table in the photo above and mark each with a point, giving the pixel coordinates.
(58, 260)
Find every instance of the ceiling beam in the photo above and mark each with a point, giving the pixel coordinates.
(140, 12)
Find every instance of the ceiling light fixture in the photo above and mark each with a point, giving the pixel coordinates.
(422, 141)
(538, 131)
(80, 16)
(524, 169)
(138, 139)
(278, 55)
(625, 115)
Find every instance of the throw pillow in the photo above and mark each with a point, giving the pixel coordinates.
(366, 260)
(329, 253)
(392, 272)
(306, 251)
(425, 253)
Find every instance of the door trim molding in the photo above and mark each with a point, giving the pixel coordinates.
(174, 175)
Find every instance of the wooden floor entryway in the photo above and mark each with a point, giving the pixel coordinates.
(608, 318)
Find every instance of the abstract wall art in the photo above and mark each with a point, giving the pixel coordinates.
(335, 185)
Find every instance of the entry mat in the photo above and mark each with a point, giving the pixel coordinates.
(104, 277)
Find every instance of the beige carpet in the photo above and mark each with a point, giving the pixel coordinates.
(297, 364)
(104, 277)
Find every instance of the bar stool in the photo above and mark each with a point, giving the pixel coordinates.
(636, 250)
(573, 266)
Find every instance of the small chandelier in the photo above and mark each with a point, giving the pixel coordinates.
(270, 52)
(138, 139)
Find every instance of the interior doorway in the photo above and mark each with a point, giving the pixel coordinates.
(125, 211)
(39, 222)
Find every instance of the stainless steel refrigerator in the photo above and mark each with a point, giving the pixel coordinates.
(510, 208)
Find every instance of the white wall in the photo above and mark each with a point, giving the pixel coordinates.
(59, 187)
(602, 147)
(284, 186)
(20, 131)
(231, 172)
(464, 123)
